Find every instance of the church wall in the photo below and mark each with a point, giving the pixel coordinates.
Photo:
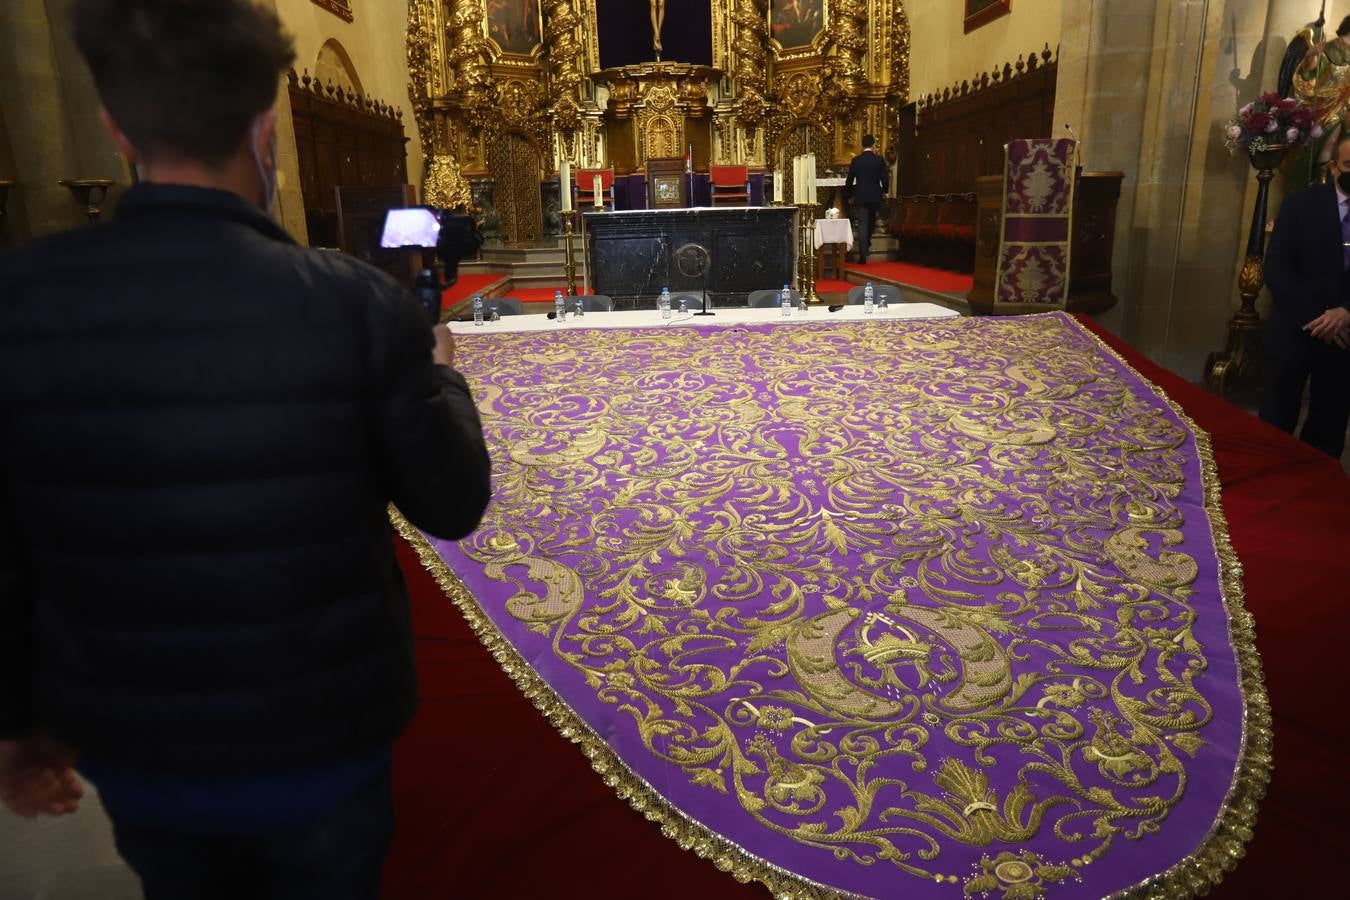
(376, 42)
(1150, 86)
(942, 54)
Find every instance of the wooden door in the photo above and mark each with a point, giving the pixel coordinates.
(516, 171)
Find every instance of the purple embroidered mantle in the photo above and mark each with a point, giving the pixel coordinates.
(1033, 257)
(903, 609)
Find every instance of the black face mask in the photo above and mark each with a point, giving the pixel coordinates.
(1343, 180)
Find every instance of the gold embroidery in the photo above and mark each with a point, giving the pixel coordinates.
(860, 673)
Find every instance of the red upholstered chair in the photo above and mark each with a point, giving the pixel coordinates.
(730, 185)
(584, 196)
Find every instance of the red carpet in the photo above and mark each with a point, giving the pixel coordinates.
(830, 286)
(537, 295)
(939, 280)
(471, 284)
(523, 815)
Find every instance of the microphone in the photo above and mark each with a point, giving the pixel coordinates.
(834, 308)
(1069, 129)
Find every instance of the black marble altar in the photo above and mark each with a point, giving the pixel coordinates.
(633, 252)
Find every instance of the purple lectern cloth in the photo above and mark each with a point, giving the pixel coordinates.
(905, 609)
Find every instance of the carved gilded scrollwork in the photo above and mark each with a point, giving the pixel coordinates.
(751, 66)
(845, 73)
(443, 184)
(561, 27)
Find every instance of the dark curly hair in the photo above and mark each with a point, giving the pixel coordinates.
(183, 77)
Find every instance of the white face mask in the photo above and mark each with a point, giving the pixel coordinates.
(267, 173)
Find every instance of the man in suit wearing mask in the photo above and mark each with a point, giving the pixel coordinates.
(1307, 268)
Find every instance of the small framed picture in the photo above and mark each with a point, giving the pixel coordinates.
(982, 12)
(340, 8)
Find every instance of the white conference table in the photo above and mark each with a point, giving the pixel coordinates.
(650, 318)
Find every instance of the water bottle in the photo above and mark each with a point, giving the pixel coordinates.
(868, 303)
(559, 307)
(785, 300)
(581, 309)
(684, 304)
(664, 303)
(478, 309)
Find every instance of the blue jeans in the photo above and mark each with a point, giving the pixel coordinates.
(339, 857)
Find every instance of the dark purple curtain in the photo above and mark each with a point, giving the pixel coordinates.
(625, 32)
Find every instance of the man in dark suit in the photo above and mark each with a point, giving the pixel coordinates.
(1307, 268)
(204, 425)
(869, 178)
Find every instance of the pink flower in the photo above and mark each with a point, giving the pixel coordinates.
(1291, 136)
(1246, 110)
(1273, 125)
(1316, 131)
(1234, 132)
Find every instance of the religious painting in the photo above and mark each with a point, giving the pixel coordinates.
(340, 8)
(982, 12)
(795, 23)
(515, 25)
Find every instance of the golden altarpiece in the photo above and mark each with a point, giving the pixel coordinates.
(508, 100)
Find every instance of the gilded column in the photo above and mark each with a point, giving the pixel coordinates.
(564, 52)
(750, 71)
(845, 74)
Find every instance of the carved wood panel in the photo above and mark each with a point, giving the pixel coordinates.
(517, 171)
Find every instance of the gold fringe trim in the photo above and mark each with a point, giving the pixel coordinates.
(1220, 851)
(1205, 867)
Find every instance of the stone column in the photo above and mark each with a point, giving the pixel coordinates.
(1148, 85)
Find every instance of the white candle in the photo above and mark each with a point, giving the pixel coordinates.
(778, 186)
(599, 197)
(796, 180)
(565, 176)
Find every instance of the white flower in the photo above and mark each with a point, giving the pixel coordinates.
(1316, 131)
(1234, 132)
(1291, 135)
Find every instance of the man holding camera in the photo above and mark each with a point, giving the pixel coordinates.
(204, 425)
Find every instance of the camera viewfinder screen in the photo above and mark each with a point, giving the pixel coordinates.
(410, 228)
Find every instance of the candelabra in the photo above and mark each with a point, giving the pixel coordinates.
(806, 255)
(1238, 366)
(570, 259)
(89, 193)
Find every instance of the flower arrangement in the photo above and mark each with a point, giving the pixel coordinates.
(1271, 121)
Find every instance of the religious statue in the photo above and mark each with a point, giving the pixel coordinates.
(658, 20)
(1321, 80)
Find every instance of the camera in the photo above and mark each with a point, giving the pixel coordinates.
(452, 236)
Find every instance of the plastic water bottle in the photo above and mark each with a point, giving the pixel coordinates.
(869, 304)
(664, 303)
(560, 307)
(581, 309)
(478, 309)
(684, 304)
(785, 300)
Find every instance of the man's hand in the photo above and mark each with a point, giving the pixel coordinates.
(443, 354)
(1332, 326)
(37, 775)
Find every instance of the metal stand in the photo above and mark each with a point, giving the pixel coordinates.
(570, 260)
(806, 253)
(1238, 367)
